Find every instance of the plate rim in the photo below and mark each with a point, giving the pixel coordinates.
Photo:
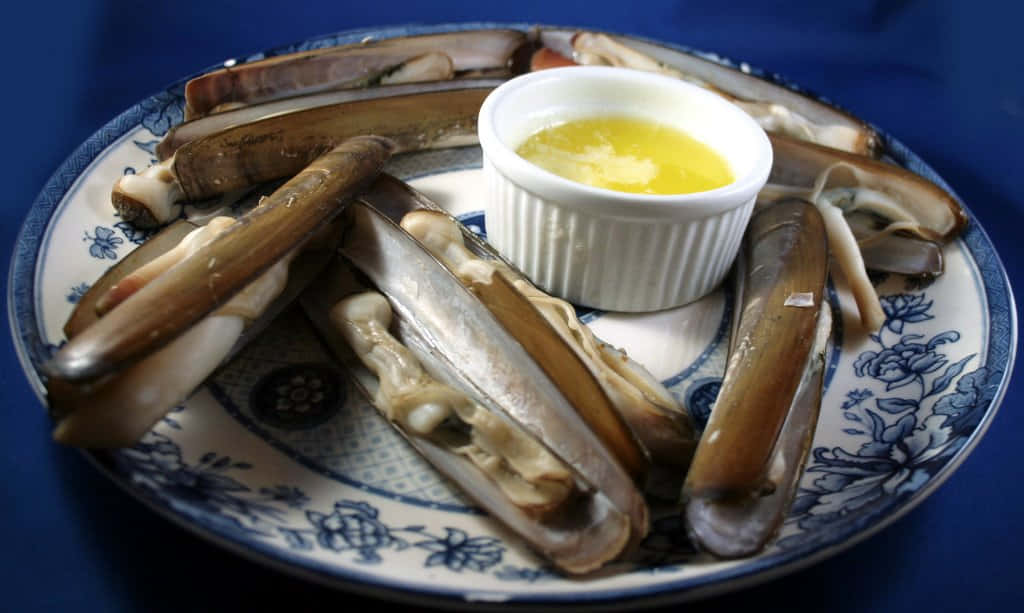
(29, 348)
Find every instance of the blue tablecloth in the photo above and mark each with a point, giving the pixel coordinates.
(944, 77)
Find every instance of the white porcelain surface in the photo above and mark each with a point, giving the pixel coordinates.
(607, 249)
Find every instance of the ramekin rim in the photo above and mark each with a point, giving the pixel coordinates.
(596, 200)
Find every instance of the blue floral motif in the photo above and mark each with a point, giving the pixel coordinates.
(297, 397)
(973, 390)
(164, 110)
(458, 551)
(353, 526)
(201, 492)
(905, 362)
(905, 439)
(77, 292)
(206, 495)
(904, 308)
(104, 243)
(855, 397)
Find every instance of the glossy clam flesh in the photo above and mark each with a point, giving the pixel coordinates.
(112, 380)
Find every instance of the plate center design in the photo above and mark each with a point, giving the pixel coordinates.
(305, 406)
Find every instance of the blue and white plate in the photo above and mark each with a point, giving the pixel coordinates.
(278, 458)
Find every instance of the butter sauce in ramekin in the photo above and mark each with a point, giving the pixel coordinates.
(608, 249)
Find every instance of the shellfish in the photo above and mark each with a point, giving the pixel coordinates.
(593, 469)
(756, 440)
(661, 426)
(776, 108)
(389, 61)
(472, 401)
(234, 274)
(281, 145)
(881, 199)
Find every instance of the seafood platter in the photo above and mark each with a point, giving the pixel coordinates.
(283, 304)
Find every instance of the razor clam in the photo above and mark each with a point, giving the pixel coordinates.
(496, 364)
(663, 428)
(843, 185)
(117, 410)
(742, 527)
(211, 124)
(776, 108)
(884, 245)
(786, 270)
(154, 315)
(497, 463)
(858, 183)
(359, 65)
(529, 322)
(85, 312)
(282, 145)
(884, 250)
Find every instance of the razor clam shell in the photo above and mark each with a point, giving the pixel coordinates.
(733, 529)
(188, 291)
(197, 128)
(282, 145)
(903, 255)
(163, 240)
(99, 423)
(800, 164)
(588, 530)
(485, 51)
(517, 314)
(894, 253)
(493, 363)
(731, 81)
(84, 313)
(786, 254)
(665, 430)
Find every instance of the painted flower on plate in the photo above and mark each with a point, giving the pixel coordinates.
(353, 526)
(904, 362)
(458, 551)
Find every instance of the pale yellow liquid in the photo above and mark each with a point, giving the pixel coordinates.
(627, 155)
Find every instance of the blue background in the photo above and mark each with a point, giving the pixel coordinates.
(946, 78)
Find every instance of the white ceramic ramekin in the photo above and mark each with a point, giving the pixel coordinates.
(606, 249)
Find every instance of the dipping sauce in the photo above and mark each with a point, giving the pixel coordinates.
(627, 154)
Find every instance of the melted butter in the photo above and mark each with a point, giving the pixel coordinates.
(628, 155)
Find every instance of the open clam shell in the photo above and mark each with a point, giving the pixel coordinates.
(584, 531)
(493, 363)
